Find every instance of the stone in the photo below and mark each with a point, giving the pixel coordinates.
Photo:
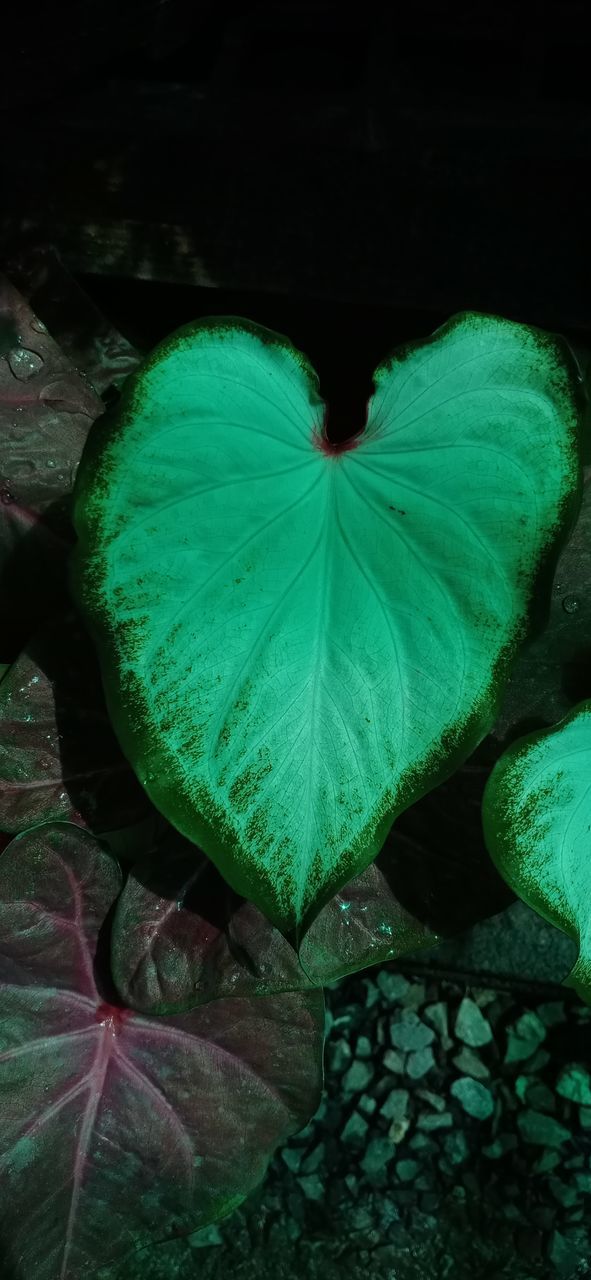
(541, 1129)
(315, 1158)
(378, 1154)
(568, 1196)
(431, 1121)
(563, 1255)
(419, 1063)
(339, 1055)
(415, 996)
(546, 1162)
(503, 1143)
(433, 1099)
(399, 1129)
(407, 1170)
(355, 1129)
(456, 1147)
(392, 985)
(394, 1061)
(535, 1094)
(536, 1064)
(471, 1026)
(409, 1033)
(360, 1218)
(436, 1014)
(524, 1037)
(574, 1083)
(552, 1012)
(292, 1157)
(419, 1142)
(476, 1100)
(357, 1077)
(396, 1104)
(372, 992)
(312, 1187)
(469, 1064)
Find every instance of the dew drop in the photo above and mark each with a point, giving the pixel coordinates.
(571, 604)
(38, 325)
(6, 497)
(24, 364)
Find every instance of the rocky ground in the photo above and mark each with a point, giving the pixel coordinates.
(453, 1139)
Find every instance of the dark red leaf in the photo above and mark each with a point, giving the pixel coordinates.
(46, 410)
(117, 1129)
(59, 757)
(84, 334)
(181, 937)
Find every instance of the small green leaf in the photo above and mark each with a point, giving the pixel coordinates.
(537, 826)
(299, 639)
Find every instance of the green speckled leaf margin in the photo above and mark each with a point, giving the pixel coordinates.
(297, 643)
(536, 813)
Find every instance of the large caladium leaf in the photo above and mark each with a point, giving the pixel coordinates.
(297, 638)
(182, 937)
(537, 825)
(118, 1130)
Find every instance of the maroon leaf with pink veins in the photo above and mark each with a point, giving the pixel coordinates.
(59, 757)
(119, 1130)
(84, 334)
(181, 936)
(46, 410)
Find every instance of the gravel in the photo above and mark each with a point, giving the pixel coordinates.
(453, 1139)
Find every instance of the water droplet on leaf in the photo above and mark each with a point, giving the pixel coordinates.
(24, 364)
(38, 325)
(570, 604)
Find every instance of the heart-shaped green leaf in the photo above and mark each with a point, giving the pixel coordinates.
(537, 825)
(297, 638)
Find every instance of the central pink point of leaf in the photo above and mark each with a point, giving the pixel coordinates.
(113, 1014)
(332, 448)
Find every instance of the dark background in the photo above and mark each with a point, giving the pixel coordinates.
(348, 175)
